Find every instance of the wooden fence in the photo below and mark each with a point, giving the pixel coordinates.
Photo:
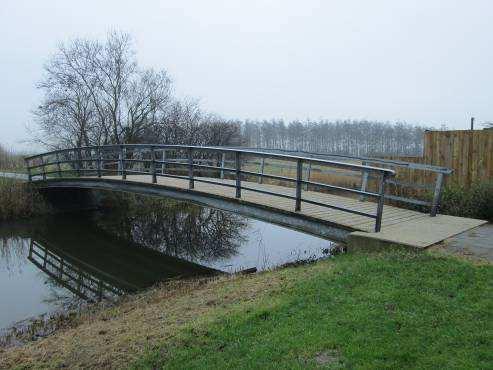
(468, 153)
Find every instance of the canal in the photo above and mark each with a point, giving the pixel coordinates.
(66, 261)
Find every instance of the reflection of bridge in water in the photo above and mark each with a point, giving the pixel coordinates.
(77, 277)
(229, 179)
(99, 277)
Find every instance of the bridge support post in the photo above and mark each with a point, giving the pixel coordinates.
(190, 169)
(153, 165)
(238, 174)
(299, 177)
(381, 199)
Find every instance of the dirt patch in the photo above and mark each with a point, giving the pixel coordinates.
(327, 358)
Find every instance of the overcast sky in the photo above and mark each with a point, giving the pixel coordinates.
(420, 61)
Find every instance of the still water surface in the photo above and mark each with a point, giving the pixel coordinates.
(63, 261)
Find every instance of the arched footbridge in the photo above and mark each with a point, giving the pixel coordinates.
(331, 197)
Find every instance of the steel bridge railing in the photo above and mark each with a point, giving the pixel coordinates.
(184, 161)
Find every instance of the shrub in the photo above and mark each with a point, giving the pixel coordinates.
(475, 202)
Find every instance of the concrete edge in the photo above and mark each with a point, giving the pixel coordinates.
(362, 240)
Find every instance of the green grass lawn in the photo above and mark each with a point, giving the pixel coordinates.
(387, 310)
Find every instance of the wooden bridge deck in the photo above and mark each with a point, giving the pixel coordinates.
(399, 225)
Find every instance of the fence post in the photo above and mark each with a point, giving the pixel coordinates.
(153, 166)
(122, 162)
(437, 195)
(58, 164)
(299, 176)
(223, 161)
(262, 165)
(238, 174)
(381, 199)
(190, 169)
(99, 163)
(364, 181)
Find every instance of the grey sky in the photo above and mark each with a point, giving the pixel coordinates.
(425, 61)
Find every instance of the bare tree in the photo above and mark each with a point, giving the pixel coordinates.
(95, 93)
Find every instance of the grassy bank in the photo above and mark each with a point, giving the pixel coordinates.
(390, 309)
(18, 200)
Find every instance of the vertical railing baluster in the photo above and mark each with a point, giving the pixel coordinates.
(163, 165)
(381, 199)
(58, 164)
(308, 173)
(364, 181)
(122, 162)
(299, 177)
(119, 165)
(262, 165)
(190, 169)
(223, 161)
(437, 195)
(153, 165)
(78, 161)
(28, 167)
(99, 161)
(238, 174)
(43, 169)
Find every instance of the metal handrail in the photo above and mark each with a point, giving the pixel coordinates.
(76, 161)
(436, 187)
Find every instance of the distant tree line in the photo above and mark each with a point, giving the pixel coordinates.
(344, 137)
(94, 92)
